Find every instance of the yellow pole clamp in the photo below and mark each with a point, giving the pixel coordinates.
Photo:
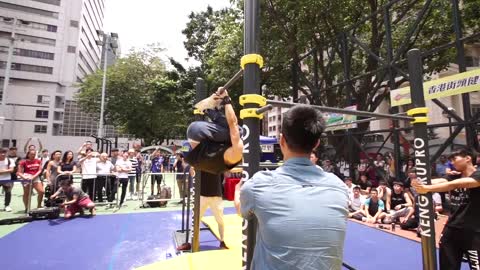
(419, 119)
(197, 112)
(417, 111)
(251, 59)
(253, 99)
(250, 113)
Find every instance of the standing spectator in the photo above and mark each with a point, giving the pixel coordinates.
(157, 170)
(123, 166)
(373, 211)
(12, 155)
(165, 163)
(67, 167)
(282, 219)
(29, 146)
(441, 167)
(171, 163)
(139, 169)
(132, 176)
(105, 169)
(29, 169)
(390, 175)
(51, 172)
(6, 169)
(89, 172)
(44, 159)
(180, 176)
(114, 156)
(87, 145)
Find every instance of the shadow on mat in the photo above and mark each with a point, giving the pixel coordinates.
(59, 221)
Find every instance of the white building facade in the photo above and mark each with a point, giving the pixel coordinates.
(54, 48)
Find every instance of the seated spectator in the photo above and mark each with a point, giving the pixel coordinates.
(384, 192)
(399, 204)
(76, 199)
(355, 202)
(373, 210)
(350, 185)
(365, 185)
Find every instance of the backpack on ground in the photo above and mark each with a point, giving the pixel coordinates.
(165, 194)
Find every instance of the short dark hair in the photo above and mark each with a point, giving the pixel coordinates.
(356, 187)
(374, 189)
(463, 153)
(12, 148)
(44, 150)
(302, 127)
(3, 150)
(115, 150)
(382, 182)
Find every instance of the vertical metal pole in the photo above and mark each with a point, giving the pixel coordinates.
(251, 153)
(6, 79)
(470, 134)
(422, 162)
(294, 81)
(106, 39)
(201, 94)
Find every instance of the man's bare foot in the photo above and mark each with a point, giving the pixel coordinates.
(93, 211)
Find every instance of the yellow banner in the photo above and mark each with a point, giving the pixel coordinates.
(449, 86)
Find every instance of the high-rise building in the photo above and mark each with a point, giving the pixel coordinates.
(54, 48)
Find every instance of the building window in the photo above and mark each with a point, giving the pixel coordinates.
(33, 54)
(42, 99)
(274, 128)
(273, 118)
(52, 28)
(41, 114)
(475, 109)
(28, 68)
(74, 23)
(40, 129)
(71, 49)
(31, 39)
(36, 11)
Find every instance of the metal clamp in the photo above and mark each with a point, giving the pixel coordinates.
(196, 112)
(253, 99)
(250, 113)
(251, 59)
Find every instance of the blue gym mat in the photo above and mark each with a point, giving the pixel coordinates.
(127, 241)
(123, 241)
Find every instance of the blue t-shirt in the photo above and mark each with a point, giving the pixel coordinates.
(302, 217)
(441, 168)
(157, 164)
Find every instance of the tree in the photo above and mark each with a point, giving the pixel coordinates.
(142, 98)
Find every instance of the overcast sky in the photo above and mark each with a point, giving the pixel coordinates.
(143, 22)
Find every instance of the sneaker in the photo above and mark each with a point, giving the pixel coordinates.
(184, 247)
(8, 209)
(223, 245)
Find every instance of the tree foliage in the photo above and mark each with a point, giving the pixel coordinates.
(142, 98)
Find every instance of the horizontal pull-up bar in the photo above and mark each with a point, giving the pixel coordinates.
(284, 104)
(366, 120)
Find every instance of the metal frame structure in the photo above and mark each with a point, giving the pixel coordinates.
(390, 68)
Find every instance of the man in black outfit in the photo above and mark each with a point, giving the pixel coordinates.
(461, 234)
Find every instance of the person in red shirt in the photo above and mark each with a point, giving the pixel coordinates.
(29, 169)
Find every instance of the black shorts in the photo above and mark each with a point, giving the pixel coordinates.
(455, 243)
(156, 178)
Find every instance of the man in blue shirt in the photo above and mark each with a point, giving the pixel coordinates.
(301, 210)
(157, 170)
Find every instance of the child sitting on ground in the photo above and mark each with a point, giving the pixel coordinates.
(76, 199)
